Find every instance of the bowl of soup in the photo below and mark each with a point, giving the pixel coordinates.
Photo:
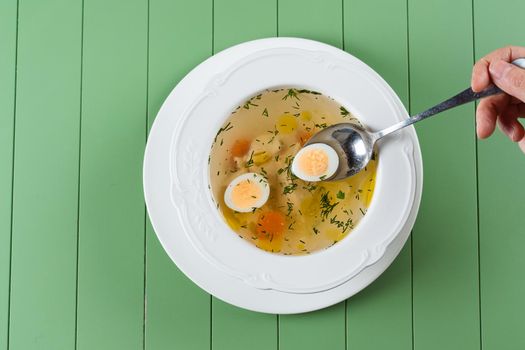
(223, 198)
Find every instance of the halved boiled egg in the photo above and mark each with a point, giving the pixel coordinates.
(315, 162)
(247, 192)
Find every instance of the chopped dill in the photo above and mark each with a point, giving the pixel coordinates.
(326, 206)
(225, 128)
(248, 104)
(292, 93)
(305, 91)
(343, 225)
(289, 188)
(249, 163)
(290, 208)
(344, 112)
(310, 187)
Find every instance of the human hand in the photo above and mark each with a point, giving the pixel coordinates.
(502, 109)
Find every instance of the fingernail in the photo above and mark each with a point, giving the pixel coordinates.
(522, 145)
(498, 68)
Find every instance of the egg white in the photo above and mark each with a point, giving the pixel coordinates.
(258, 180)
(333, 162)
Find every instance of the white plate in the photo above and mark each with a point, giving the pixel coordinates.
(192, 231)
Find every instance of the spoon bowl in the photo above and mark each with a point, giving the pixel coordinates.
(353, 144)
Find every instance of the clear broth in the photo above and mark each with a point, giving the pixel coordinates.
(262, 136)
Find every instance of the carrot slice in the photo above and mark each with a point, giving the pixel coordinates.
(303, 137)
(270, 224)
(240, 148)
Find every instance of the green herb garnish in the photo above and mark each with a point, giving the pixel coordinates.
(326, 206)
(344, 112)
(292, 93)
(249, 163)
(223, 129)
(289, 188)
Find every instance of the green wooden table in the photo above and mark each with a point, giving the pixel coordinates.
(80, 267)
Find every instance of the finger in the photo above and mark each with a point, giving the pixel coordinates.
(513, 111)
(509, 78)
(480, 73)
(522, 144)
(487, 113)
(508, 123)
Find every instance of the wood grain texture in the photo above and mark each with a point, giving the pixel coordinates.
(321, 21)
(445, 242)
(45, 188)
(96, 98)
(316, 20)
(8, 34)
(385, 307)
(111, 221)
(177, 311)
(235, 22)
(501, 167)
(323, 329)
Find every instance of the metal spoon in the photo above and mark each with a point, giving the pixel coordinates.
(354, 145)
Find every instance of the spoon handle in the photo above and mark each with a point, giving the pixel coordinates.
(463, 97)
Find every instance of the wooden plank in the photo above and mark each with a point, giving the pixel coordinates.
(445, 238)
(326, 328)
(501, 167)
(317, 20)
(234, 328)
(44, 232)
(8, 33)
(245, 25)
(178, 312)
(385, 307)
(111, 223)
(323, 329)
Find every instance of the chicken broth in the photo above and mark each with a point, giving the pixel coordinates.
(262, 136)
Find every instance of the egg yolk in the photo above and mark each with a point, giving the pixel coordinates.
(246, 194)
(314, 162)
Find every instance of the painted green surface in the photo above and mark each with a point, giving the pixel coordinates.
(445, 237)
(91, 76)
(111, 218)
(501, 170)
(44, 236)
(8, 26)
(234, 328)
(316, 20)
(386, 305)
(326, 328)
(177, 311)
(235, 21)
(323, 329)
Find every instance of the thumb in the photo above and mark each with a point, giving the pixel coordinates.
(509, 78)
